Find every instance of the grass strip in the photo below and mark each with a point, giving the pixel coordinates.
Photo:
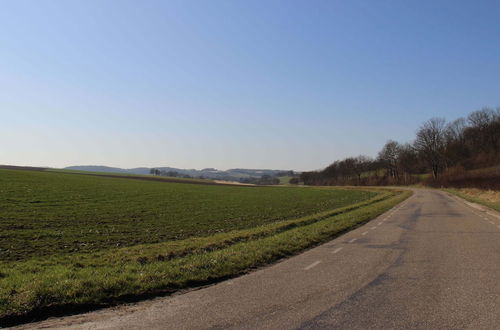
(489, 198)
(35, 287)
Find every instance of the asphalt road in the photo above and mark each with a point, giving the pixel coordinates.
(432, 262)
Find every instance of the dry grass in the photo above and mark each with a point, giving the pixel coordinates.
(490, 198)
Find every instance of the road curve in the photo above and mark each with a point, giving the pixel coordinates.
(432, 262)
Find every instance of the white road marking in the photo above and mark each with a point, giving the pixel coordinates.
(492, 222)
(372, 228)
(336, 250)
(314, 264)
(353, 240)
(364, 233)
(379, 223)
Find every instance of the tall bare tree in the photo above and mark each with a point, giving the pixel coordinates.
(431, 144)
(456, 148)
(388, 157)
(407, 162)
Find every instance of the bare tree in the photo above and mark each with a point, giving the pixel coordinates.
(431, 143)
(388, 157)
(361, 165)
(482, 118)
(483, 134)
(456, 148)
(407, 162)
(455, 130)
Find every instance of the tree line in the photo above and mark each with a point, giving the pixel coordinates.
(174, 174)
(442, 153)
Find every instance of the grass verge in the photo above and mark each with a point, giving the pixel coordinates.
(489, 198)
(39, 287)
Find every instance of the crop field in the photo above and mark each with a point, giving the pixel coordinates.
(145, 177)
(71, 239)
(45, 213)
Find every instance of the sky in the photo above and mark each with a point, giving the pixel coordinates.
(226, 84)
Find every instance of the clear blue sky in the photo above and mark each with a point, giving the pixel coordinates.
(255, 84)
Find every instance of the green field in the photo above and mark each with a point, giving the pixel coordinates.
(285, 179)
(43, 213)
(71, 239)
(131, 175)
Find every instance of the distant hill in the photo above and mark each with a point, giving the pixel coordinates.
(95, 168)
(236, 174)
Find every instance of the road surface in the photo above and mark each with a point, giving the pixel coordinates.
(432, 262)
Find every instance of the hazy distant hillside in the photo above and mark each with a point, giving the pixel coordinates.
(94, 168)
(236, 174)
